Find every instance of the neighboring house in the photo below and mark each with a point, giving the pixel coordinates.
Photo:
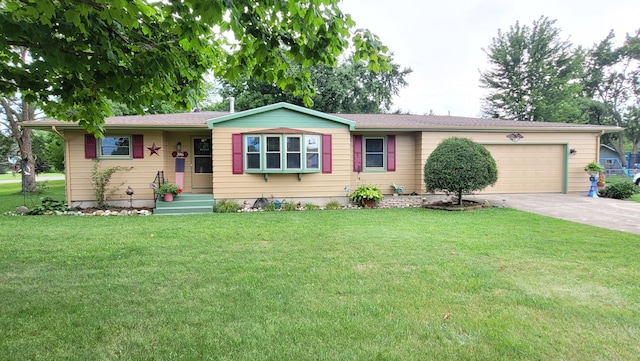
(289, 152)
(609, 160)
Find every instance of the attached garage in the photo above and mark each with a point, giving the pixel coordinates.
(529, 168)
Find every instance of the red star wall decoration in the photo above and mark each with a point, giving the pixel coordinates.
(154, 150)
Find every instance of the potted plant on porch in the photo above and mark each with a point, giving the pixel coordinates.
(168, 191)
(366, 195)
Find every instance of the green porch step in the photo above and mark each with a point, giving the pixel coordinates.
(185, 203)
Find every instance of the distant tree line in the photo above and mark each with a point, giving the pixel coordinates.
(537, 75)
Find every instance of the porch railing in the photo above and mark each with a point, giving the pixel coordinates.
(156, 184)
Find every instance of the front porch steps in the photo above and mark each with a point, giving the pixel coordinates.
(185, 203)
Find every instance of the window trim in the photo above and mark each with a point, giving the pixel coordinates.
(286, 150)
(383, 154)
(101, 156)
(283, 153)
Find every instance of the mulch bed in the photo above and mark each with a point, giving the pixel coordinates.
(454, 206)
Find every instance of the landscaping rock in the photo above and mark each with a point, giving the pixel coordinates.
(22, 210)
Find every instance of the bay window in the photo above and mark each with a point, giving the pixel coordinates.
(286, 153)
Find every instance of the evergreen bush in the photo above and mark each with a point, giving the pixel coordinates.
(459, 165)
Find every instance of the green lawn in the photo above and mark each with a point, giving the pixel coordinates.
(7, 176)
(12, 197)
(392, 284)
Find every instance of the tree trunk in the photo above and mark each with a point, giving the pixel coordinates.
(620, 149)
(22, 137)
(460, 197)
(29, 172)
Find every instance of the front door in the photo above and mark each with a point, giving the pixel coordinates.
(201, 165)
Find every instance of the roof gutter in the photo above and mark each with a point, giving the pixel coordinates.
(55, 130)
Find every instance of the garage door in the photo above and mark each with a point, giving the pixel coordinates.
(524, 168)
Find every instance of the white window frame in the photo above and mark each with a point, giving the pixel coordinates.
(101, 147)
(246, 152)
(293, 152)
(383, 153)
(305, 141)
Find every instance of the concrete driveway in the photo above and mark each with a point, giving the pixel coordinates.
(577, 207)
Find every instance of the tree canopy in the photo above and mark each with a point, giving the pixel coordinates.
(612, 86)
(533, 75)
(460, 166)
(83, 53)
(349, 87)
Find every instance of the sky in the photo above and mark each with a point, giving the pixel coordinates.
(443, 41)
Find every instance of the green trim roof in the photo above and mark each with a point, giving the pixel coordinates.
(268, 108)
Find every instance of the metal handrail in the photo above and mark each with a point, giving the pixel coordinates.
(156, 184)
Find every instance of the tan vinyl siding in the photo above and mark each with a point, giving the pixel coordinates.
(79, 169)
(584, 143)
(404, 175)
(228, 185)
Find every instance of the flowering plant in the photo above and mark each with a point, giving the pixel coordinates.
(167, 187)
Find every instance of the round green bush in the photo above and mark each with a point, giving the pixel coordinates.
(620, 189)
(459, 166)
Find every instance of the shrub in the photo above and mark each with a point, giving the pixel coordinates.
(366, 192)
(101, 179)
(459, 165)
(289, 206)
(620, 189)
(332, 205)
(311, 206)
(270, 207)
(227, 206)
(49, 205)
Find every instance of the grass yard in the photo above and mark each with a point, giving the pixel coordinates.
(388, 284)
(12, 197)
(10, 176)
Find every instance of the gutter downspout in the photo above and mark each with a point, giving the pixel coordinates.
(67, 172)
(598, 145)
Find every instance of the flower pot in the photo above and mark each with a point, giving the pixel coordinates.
(368, 203)
(168, 197)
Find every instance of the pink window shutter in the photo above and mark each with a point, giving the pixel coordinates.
(391, 153)
(90, 147)
(236, 145)
(138, 146)
(326, 153)
(357, 153)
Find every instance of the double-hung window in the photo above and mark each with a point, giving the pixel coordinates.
(374, 150)
(312, 151)
(115, 146)
(294, 152)
(273, 153)
(252, 151)
(374, 153)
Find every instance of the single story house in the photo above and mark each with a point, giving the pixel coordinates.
(290, 152)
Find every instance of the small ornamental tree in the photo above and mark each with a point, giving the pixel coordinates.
(459, 165)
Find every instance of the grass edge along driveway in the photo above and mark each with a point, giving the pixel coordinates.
(393, 284)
